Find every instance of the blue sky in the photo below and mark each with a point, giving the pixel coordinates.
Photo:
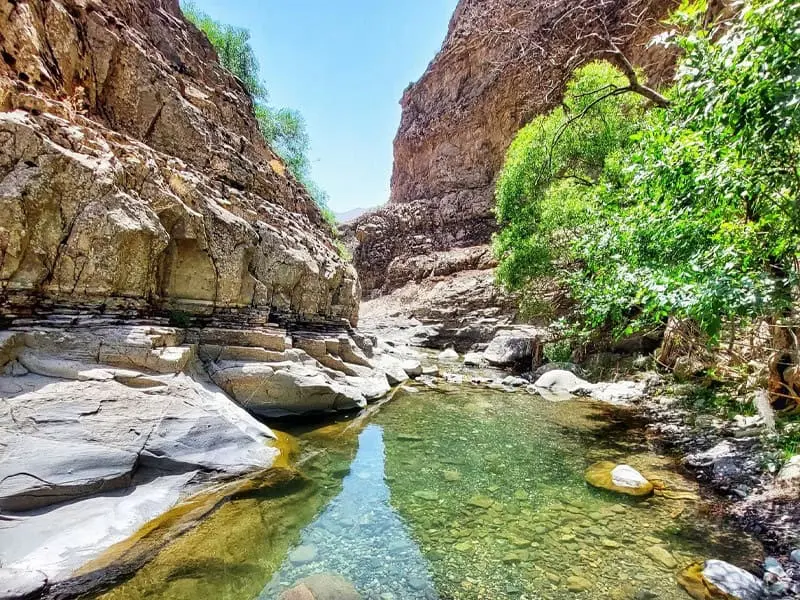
(344, 64)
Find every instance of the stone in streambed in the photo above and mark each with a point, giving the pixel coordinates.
(448, 355)
(473, 359)
(413, 368)
(716, 579)
(577, 584)
(303, 555)
(322, 586)
(481, 502)
(622, 479)
(661, 555)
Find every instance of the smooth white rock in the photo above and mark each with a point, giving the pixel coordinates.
(733, 580)
(627, 476)
(448, 355)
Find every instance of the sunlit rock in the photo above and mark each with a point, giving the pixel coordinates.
(622, 479)
(718, 580)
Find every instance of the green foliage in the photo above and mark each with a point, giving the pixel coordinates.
(233, 48)
(544, 190)
(284, 129)
(343, 251)
(560, 351)
(699, 217)
(705, 222)
(179, 318)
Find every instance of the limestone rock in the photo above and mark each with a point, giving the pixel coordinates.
(560, 385)
(790, 472)
(413, 368)
(448, 355)
(281, 389)
(16, 584)
(134, 173)
(457, 123)
(512, 348)
(473, 359)
(322, 586)
(622, 479)
(661, 555)
(718, 579)
(69, 439)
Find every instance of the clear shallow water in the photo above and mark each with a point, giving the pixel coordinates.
(470, 494)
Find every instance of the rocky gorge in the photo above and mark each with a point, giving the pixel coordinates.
(197, 403)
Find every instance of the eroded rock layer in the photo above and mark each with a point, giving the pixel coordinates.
(133, 173)
(502, 62)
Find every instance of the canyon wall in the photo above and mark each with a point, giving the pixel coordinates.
(502, 62)
(133, 174)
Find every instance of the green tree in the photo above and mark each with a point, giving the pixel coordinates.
(698, 214)
(284, 129)
(546, 188)
(705, 222)
(232, 45)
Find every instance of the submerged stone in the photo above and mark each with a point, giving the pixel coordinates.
(426, 495)
(302, 555)
(481, 501)
(451, 475)
(718, 580)
(622, 479)
(322, 586)
(661, 556)
(578, 584)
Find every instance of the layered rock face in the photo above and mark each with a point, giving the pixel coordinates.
(133, 173)
(163, 281)
(502, 62)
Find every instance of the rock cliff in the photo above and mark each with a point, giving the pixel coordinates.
(163, 281)
(502, 62)
(133, 173)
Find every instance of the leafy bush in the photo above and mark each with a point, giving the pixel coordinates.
(698, 214)
(284, 129)
(544, 192)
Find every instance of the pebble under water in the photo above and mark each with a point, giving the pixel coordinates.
(455, 494)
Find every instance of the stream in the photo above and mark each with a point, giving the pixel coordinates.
(453, 493)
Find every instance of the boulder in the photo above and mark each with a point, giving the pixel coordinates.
(392, 367)
(412, 367)
(473, 359)
(790, 472)
(558, 366)
(322, 586)
(622, 479)
(511, 348)
(448, 355)
(560, 385)
(617, 392)
(717, 579)
(63, 440)
(288, 388)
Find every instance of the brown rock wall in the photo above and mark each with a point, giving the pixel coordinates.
(131, 167)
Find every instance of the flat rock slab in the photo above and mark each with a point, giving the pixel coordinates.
(66, 439)
(58, 540)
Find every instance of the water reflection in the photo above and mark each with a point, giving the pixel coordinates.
(360, 537)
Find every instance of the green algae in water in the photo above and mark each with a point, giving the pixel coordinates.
(469, 494)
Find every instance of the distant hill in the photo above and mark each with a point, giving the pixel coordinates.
(350, 215)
